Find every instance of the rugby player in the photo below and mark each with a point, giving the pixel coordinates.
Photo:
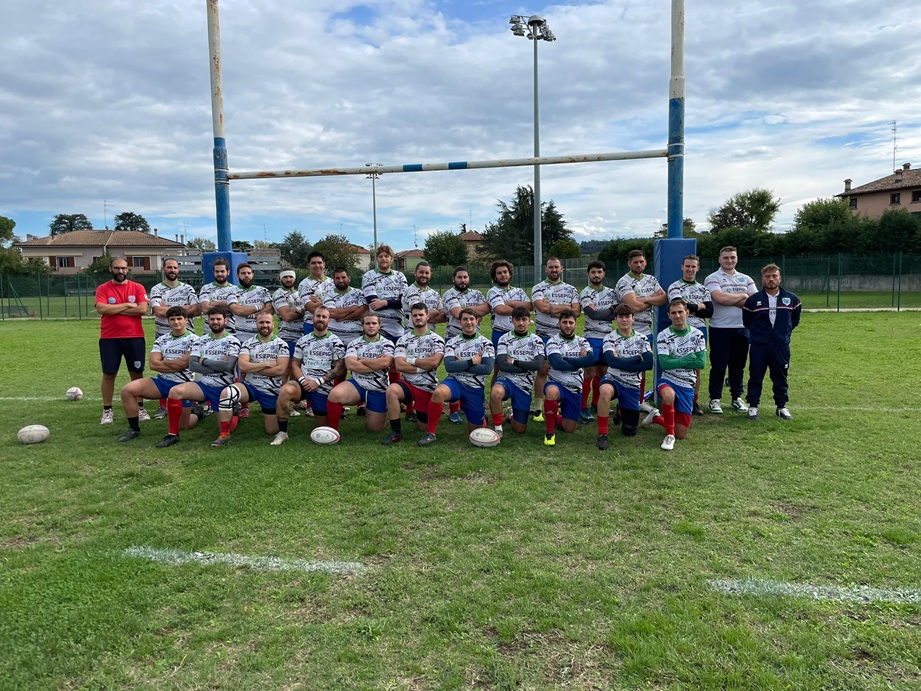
(310, 288)
(383, 290)
(700, 305)
(568, 355)
(458, 298)
(346, 306)
(598, 303)
(519, 357)
(421, 291)
(503, 298)
(248, 301)
(219, 292)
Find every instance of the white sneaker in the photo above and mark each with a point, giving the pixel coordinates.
(740, 405)
(279, 439)
(648, 420)
(498, 430)
(753, 412)
(645, 407)
(108, 417)
(294, 412)
(784, 414)
(669, 442)
(143, 415)
(716, 408)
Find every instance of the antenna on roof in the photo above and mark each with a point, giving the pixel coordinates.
(415, 238)
(895, 139)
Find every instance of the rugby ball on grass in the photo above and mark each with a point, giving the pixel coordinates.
(33, 434)
(324, 435)
(74, 393)
(484, 437)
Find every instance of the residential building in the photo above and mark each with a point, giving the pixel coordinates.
(68, 253)
(407, 260)
(901, 190)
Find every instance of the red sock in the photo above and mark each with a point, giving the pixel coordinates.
(333, 414)
(454, 407)
(435, 415)
(497, 419)
(163, 404)
(596, 382)
(245, 405)
(394, 376)
(174, 410)
(603, 424)
(586, 390)
(225, 426)
(410, 407)
(550, 410)
(559, 420)
(234, 421)
(307, 405)
(668, 417)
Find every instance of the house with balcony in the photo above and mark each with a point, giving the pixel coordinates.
(69, 253)
(901, 190)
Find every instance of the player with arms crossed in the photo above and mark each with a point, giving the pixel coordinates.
(469, 358)
(317, 363)
(368, 358)
(218, 292)
(417, 356)
(310, 289)
(214, 359)
(458, 298)
(700, 305)
(627, 355)
(568, 355)
(421, 291)
(263, 361)
(503, 298)
(598, 303)
(169, 357)
(682, 352)
(519, 357)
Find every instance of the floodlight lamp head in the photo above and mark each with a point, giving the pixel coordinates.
(518, 30)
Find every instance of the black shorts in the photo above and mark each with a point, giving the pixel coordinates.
(111, 351)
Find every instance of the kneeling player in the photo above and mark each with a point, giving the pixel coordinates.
(417, 356)
(214, 358)
(519, 357)
(317, 363)
(627, 355)
(682, 352)
(170, 358)
(264, 361)
(568, 355)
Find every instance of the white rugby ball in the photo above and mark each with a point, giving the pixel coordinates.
(74, 393)
(324, 435)
(33, 434)
(484, 437)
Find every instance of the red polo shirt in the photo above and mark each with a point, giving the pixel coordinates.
(120, 325)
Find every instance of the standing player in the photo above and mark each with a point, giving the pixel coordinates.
(171, 292)
(770, 315)
(728, 335)
(248, 301)
(368, 358)
(682, 352)
(310, 288)
(346, 306)
(550, 298)
(421, 291)
(641, 293)
(417, 356)
(383, 290)
(469, 357)
(263, 361)
(627, 354)
(519, 357)
(214, 359)
(503, 299)
(598, 303)
(170, 359)
(456, 299)
(700, 305)
(567, 354)
(218, 292)
(316, 365)
(288, 307)
(121, 304)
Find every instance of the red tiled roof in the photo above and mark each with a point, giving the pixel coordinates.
(98, 238)
(897, 181)
(411, 253)
(471, 237)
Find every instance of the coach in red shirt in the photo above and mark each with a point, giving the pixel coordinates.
(121, 303)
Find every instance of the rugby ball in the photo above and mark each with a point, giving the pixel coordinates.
(484, 437)
(33, 434)
(74, 393)
(324, 435)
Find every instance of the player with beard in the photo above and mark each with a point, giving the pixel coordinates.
(346, 306)
(456, 299)
(121, 304)
(248, 301)
(421, 291)
(263, 361)
(218, 292)
(171, 292)
(287, 305)
(598, 303)
(700, 305)
(519, 356)
(214, 359)
(383, 290)
(503, 298)
(310, 288)
(317, 363)
(417, 356)
(568, 355)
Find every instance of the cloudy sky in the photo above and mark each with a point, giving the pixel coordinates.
(105, 107)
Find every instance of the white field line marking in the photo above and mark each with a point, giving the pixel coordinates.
(174, 556)
(855, 593)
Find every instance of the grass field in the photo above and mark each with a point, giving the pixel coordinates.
(514, 567)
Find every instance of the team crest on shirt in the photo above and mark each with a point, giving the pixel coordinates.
(137, 364)
(130, 298)
(785, 301)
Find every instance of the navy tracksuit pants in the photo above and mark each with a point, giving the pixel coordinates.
(763, 359)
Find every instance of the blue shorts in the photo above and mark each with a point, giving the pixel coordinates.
(308, 329)
(390, 337)
(496, 335)
(596, 344)
(521, 400)
(375, 401)
(164, 386)
(212, 394)
(317, 401)
(291, 345)
(471, 399)
(628, 397)
(684, 396)
(570, 403)
(703, 329)
(267, 401)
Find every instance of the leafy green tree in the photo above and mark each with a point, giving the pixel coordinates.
(6, 229)
(565, 249)
(67, 223)
(128, 220)
(591, 246)
(241, 246)
(898, 231)
(337, 250)
(755, 209)
(100, 267)
(203, 244)
(445, 248)
(12, 264)
(688, 229)
(294, 249)
(511, 237)
(266, 245)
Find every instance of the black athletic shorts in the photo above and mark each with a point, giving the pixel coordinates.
(112, 350)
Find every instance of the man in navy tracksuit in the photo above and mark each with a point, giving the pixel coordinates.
(771, 315)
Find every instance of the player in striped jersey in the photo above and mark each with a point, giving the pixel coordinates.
(421, 291)
(310, 289)
(247, 302)
(169, 357)
(288, 307)
(214, 359)
(700, 305)
(627, 354)
(318, 361)
(567, 354)
(417, 356)
(682, 352)
(519, 357)
(346, 306)
(383, 289)
(503, 298)
(263, 361)
(219, 291)
(598, 303)
(469, 358)
(456, 299)
(368, 358)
